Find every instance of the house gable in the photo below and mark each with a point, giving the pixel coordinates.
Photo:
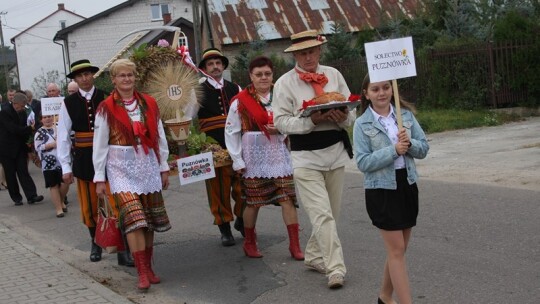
(97, 38)
(37, 54)
(61, 8)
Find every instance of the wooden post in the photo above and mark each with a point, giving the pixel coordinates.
(174, 44)
(397, 105)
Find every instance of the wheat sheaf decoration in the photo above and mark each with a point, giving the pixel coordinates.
(174, 86)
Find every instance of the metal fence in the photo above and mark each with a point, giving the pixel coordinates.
(470, 76)
(477, 74)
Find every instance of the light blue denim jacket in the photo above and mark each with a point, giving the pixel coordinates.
(375, 153)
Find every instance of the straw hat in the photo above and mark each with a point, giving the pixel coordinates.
(305, 40)
(212, 53)
(81, 66)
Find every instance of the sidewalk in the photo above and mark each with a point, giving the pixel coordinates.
(30, 275)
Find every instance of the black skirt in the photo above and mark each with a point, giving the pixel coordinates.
(393, 209)
(52, 178)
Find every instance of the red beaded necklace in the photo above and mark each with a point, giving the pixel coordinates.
(128, 102)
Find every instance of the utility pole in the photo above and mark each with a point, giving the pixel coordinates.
(4, 61)
(196, 29)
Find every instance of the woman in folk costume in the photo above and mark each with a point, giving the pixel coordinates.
(260, 155)
(131, 150)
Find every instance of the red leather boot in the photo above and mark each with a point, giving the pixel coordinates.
(152, 277)
(294, 242)
(140, 263)
(250, 243)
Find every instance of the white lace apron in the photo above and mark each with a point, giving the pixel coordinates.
(265, 158)
(133, 171)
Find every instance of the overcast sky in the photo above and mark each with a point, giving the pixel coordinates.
(18, 15)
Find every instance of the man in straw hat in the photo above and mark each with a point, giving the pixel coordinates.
(320, 148)
(212, 113)
(77, 114)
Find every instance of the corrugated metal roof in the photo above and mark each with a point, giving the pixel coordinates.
(238, 21)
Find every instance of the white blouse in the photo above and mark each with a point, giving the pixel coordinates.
(128, 169)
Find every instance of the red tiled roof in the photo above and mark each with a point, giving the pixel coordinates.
(238, 21)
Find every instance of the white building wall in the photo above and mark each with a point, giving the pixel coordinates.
(98, 40)
(37, 54)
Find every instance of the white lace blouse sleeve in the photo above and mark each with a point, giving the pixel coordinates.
(233, 136)
(101, 147)
(163, 149)
(63, 140)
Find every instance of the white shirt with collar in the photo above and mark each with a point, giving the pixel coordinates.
(389, 123)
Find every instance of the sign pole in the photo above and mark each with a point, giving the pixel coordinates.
(397, 105)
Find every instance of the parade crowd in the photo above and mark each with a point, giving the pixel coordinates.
(101, 141)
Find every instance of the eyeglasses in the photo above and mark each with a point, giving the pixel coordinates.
(265, 74)
(130, 75)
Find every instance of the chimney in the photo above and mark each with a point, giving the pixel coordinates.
(61, 6)
(166, 18)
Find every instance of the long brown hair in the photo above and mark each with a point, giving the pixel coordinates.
(365, 102)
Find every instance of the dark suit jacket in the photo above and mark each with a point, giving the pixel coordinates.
(36, 108)
(14, 132)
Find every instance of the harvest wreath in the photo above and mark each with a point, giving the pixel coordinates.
(167, 74)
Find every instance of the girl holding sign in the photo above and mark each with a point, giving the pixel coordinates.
(386, 157)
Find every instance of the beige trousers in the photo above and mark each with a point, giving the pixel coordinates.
(320, 193)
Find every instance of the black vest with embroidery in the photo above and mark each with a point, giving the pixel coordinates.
(82, 115)
(217, 103)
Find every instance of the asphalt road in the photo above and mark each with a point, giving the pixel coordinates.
(476, 239)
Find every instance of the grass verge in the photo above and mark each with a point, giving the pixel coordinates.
(433, 121)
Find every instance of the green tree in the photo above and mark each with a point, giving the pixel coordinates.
(104, 82)
(39, 85)
(516, 25)
(340, 46)
(461, 20)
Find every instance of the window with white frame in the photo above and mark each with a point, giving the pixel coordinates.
(158, 10)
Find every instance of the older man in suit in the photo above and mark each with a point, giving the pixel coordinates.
(14, 133)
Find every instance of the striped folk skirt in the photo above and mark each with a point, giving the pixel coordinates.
(142, 211)
(269, 191)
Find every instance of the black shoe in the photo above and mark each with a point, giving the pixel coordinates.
(239, 225)
(18, 203)
(95, 253)
(379, 301)
(227, 238)
(60, 215)
(64, 210)
(66, 202)
(35, 199)
(124, 259)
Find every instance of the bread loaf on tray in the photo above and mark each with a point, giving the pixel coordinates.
(329, 96)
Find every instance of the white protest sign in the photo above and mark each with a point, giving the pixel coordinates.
(51, 105)
(196, 168)
(390, 59)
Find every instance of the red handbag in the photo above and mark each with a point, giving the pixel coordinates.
(108, 235)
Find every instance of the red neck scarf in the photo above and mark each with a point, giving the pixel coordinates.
(249, 101)
(317, 81)
(146, 130)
